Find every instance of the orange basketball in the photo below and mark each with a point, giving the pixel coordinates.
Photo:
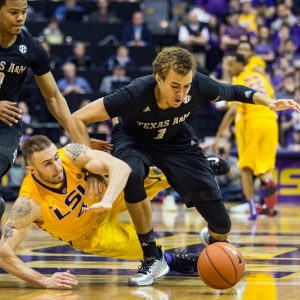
(221, 265)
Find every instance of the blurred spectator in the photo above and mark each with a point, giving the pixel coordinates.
(52, 34)
(284, 15)
(263, 48)
(281, 38)
(104, 128)
(234, 6)
(17, 172)
(297, 72)
(121, 58)
(214, 52)
(194, 35)
(295, 144)
(281, 69)
(64, 11)
(103, 14)
(27, 120)
(287, 89)
(295, 30)
(216, 7)
(79, 57)
(26, 117)
(54, 59)
(267, 6)
(287, 119)
(232, 34)
(118, 79)
(288, 51)
(72, 83)
(247, 18)
(137, 34)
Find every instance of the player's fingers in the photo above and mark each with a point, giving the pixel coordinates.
(70, 275)
(86, 189)
(4, 120)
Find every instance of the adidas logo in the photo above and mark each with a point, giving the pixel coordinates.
(193, 142)
(247, 94)
(147, 109)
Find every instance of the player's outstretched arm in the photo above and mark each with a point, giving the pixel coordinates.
(55, 100)
(99, 162)
(24, 212)
(91, 113)
(275, 105)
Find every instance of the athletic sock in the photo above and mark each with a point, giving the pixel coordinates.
(253, 211)
(148, 245)
(169, 258)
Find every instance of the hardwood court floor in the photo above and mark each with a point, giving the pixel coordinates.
(270, 246)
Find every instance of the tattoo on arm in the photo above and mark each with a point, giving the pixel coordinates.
(76, 150)
(9, 231)
(22, 209)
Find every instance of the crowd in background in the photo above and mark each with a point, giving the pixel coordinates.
(211, 30)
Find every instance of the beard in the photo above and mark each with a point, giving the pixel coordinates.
(53, 179)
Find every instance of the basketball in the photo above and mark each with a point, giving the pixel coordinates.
(221, 265)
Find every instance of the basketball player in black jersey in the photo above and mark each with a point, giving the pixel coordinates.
(19, 51)
(152, 131)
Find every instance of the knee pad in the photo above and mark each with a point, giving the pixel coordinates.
(4, 165)
(134, 190)
(221, 226)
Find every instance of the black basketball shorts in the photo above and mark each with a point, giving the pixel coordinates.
(10, 140)
(181, 159)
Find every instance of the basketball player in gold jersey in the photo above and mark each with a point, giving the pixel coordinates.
(256, 134)
(52, 198)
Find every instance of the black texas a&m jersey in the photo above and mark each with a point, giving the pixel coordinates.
(14, 62)
(139, 113)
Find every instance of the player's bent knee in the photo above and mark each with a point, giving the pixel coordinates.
(221, 226)
(134, 191)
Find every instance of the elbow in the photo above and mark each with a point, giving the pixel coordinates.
(75, 118)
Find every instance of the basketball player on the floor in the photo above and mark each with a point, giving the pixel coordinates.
(52, 198)
(256, 134)
(152, 131)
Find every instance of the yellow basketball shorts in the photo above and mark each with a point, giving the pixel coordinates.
(111, 238)
(260, 140)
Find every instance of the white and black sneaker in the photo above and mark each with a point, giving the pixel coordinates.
(149, 270)
(218, 165)
(184, 262)
(205, 237)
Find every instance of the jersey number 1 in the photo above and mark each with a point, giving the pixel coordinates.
(161, 133)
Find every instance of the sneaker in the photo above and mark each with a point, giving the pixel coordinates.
(271, 197)
(2, 209)
(263, 210)
(205, 237)
(218, 165)
(149, 270)
(184, 262)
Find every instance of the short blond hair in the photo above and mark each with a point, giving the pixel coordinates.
(176, 58)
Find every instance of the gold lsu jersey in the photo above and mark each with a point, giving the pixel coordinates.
(63, 216)
(259, 83)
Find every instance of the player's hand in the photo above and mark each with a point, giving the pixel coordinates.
(94, 186)
(9, 112)
(61, 280)
(101, 145)
(98, 207)
(282, 104)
